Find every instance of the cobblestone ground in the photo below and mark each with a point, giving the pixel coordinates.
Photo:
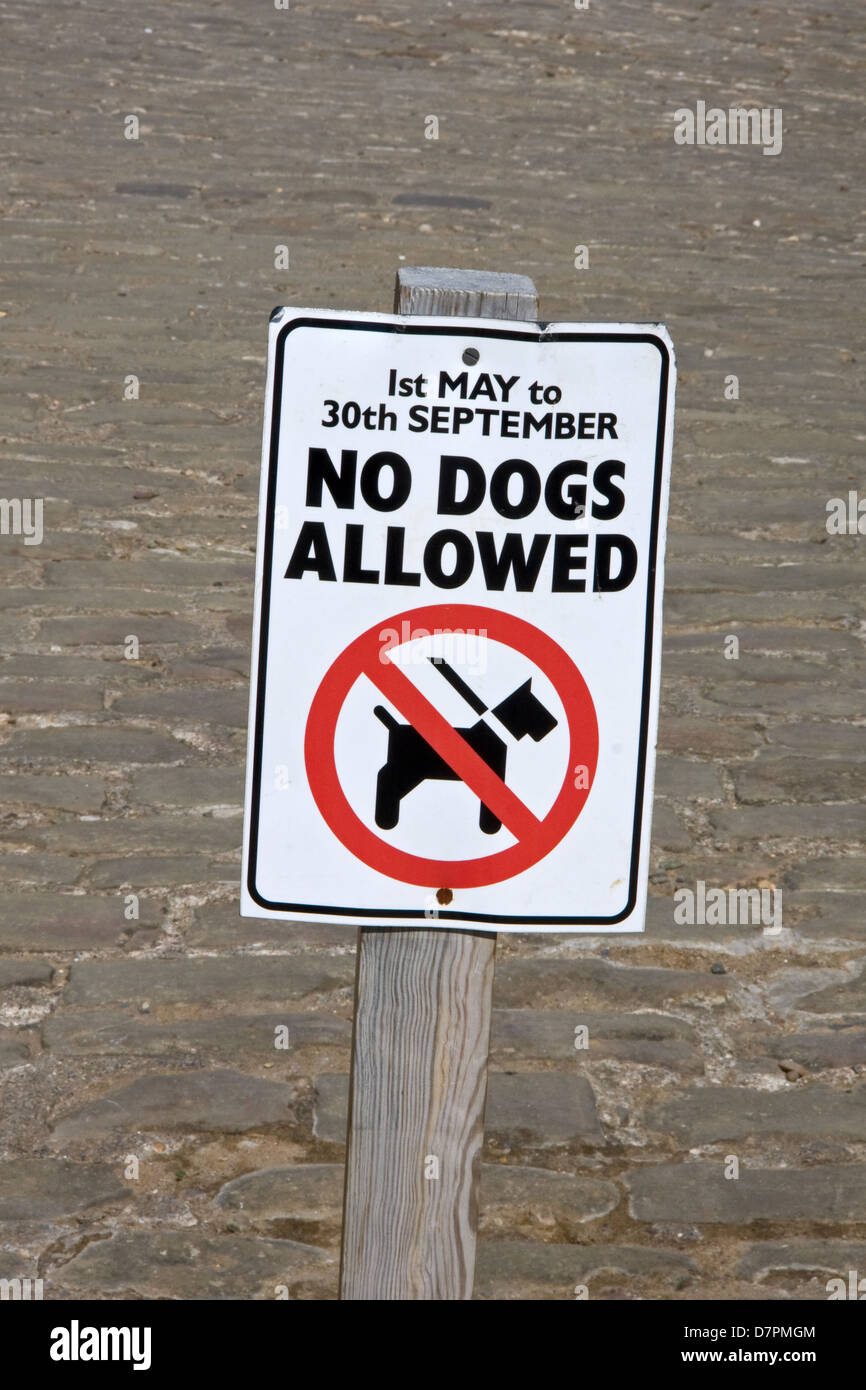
(152, 1039)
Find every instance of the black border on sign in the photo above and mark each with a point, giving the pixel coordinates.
(369, 913)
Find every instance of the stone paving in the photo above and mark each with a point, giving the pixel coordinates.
(154, 1142)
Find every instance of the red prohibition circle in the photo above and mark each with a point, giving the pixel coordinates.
(365, 656)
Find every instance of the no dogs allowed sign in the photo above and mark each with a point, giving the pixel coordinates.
(458, 622)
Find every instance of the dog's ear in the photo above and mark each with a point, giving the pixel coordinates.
(523, 713)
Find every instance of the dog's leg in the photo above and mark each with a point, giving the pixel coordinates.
(495, 757)
(387, 799)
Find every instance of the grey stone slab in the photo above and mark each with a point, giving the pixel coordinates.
(835, 824)
(149, 870)
(142, 834)
(786, 988)
(729, 611)
(844, 1047)
(198, 706)
(194, 1265)
(13, 1050)
(759, 639)
(159, 571)
(708, 738)
(833, 873)
(684, 779)
(18, 1264)
(49, 697)
(96, 743)
(189, 787)
(62, 793)
(713, 668)
(46, 1189)
(112, 631)
(827, 916)
(700, 1192)
(511, 1194)
(59, 666)
(753, 579)
(846, 998)
(52, 870)
(218, 925)
(546, 1107)
(833, 1257)
(23, 972)
(205, 980)
(297, 1192)
(661, 926)
(210, 670)
(668, 831)
(819, 739)
(551, 1034)
(512, 1269)
(597, 984)
(220, 1100)
(151, 605)
(708, 1114)
(331, 1108)
(804, 698)
(67, 921)
(803, 779)
(228, 1037)
(747, 866)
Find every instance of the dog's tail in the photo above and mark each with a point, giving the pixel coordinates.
(386, 717)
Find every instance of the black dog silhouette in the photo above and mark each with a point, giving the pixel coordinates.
(412, 760)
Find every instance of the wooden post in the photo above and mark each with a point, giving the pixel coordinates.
(422, 1020)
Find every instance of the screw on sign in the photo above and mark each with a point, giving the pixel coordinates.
(454, 695)
(427, 746)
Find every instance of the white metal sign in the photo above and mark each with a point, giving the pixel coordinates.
(458, 622)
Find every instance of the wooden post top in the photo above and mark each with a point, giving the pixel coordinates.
(488, 294)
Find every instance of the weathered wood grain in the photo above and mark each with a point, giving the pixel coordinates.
(422, 1021)
(419, 1080)
(484, 294)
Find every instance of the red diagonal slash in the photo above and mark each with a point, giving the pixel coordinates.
(456, 752)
